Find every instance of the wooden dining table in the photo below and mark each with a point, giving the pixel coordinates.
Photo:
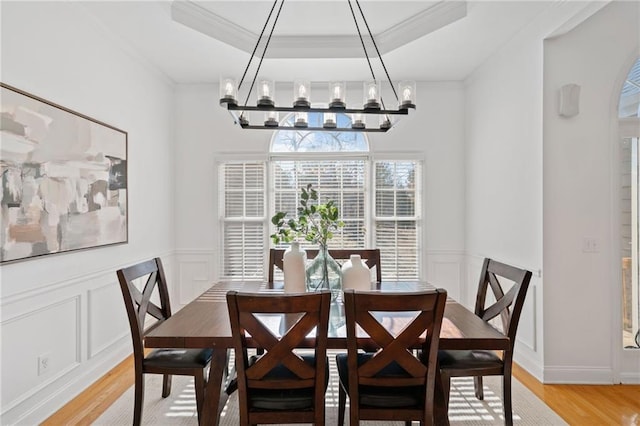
(204, 323)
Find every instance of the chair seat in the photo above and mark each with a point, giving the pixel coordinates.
(468, 359)
(178, 358)
(382, 396)
(284, 399)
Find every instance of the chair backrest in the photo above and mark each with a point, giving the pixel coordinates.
(366, 310)
(508, 305)
(369, 256)
(139, 304)
(301, 315)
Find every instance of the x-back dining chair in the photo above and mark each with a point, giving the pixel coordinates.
(281, 385)
(388, 382)
(371, 257)
(187, 362)
(479, 363)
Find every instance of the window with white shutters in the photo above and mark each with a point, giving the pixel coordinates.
(396, 217)
(243, 207)
(379, 201)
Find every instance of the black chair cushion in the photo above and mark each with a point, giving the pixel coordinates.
(284, 399)
(382, 396)
(468, 359)
(179, 358)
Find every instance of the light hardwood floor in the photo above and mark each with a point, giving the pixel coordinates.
(577, 404)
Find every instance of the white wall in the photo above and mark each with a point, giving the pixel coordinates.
(582, 290)
(69, 305)
(205, 131)
(504, 169)
(537, 184)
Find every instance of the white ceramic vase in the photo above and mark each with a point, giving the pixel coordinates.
(294, 261)
(355, 274)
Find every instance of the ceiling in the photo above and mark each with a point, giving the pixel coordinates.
(421, 40)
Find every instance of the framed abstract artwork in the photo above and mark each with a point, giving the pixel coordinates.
(64, 179)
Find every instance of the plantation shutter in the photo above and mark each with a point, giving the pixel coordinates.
(343, 181)
(396, 218)
(243, 207)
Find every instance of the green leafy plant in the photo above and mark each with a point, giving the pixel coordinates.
(316, 223)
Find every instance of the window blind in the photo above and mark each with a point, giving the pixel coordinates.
(243, 207)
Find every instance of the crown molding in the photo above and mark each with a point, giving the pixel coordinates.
(209, 23)
(429, 20)
(202, 20)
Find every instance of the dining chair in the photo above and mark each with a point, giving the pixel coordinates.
(387, 381)
(479, 363)
(371, 257)
(285, 384)
(181, 362)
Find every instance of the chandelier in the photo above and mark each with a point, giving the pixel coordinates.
(373, 116)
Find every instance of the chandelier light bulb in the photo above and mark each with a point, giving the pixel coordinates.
(357, 121)
(266, 93)
(301, 120)
(227, 91)
(329, 120)
(337, 91)
(406, 94)
(371, 95)
(301, 93)
(407, 91)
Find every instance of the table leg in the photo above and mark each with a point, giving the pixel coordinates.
(215, 397)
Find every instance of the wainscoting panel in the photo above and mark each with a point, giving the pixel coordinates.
(107, 317)
(445, 269)
(193, 274)
(48, 342)
(78, 327)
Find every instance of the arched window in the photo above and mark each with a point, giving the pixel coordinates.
(629, 105)
(378, 199)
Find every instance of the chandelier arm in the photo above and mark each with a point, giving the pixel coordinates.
(264, 51)
(378, 52)
(244, 74)
(366, 55)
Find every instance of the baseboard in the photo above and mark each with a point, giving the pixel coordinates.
(577, 375)
(630, 378)
(532, 366)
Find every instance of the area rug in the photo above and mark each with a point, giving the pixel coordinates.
(464, 409)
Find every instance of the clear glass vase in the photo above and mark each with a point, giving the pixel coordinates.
(323, 273)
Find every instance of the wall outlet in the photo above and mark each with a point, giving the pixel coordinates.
(44, 363)
(590, 245)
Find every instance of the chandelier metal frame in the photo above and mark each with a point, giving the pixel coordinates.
(338, 106)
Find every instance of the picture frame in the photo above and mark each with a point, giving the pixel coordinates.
(64, 179)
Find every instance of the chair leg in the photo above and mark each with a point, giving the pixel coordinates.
(342, 403)
(506, 397)
(139, 398)
(199, 385)
(166, 385)
(477, 383)
(446, 389)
